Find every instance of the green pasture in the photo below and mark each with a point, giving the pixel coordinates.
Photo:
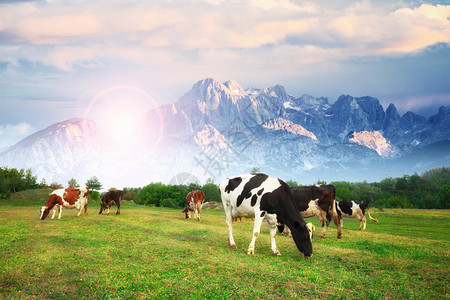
(154, 253)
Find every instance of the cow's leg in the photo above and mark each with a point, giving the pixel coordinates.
(109, 207)
(363, 223)
(273, 230)
(229, 220)
(322, 215)
(336, 219)
(256, 230)
(60, 212)
(79, 212)
(199, 212)
(118, 209)
(54, 212)
(195, 213)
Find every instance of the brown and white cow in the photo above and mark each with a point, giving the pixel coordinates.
(317, 200)
(353, 209)
(113, 197)
(264, 198)
(194, 202)
(73, 198)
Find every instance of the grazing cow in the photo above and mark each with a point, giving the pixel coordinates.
(194, 202)
(317, 200)
(113, 197)
(73, 198)
(353, 209)
(265, 199)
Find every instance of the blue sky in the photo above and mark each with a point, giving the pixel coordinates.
(56, 56)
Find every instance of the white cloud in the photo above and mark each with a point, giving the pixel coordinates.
(11, 134)
(200, 36)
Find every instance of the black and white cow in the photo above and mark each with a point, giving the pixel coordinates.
(267, 199)
(353, 209)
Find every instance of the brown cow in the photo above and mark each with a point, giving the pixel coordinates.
(113, 197)
(194, 202)
(317, 200)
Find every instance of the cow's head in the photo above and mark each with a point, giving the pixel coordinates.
(302, 237)
(186, 211)
(102, 206)
(44, 212)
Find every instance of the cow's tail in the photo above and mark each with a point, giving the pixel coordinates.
(370, 217)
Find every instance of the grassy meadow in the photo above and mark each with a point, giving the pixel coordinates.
(152, 252)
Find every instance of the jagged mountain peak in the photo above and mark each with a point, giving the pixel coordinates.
(310, 102)
(234, 87)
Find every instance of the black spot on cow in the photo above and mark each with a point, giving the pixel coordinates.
(263, 214)
(233, 183)
(346, 207)
(260, 191)
(253, 183)
(253, 201)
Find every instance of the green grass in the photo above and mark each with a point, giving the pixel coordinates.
(155, 253)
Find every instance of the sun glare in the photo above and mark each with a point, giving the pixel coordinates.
(120, 110)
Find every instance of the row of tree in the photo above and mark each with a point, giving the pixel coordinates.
(159, 194)
(14, 180)
(430, 190)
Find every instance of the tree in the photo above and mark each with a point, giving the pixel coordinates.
(93, 184)
(72, 183)
(255, 170)
(212, 192)
(292, 183)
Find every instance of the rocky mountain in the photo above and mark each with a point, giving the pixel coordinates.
(220, 129)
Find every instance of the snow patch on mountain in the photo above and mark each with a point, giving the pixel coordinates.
(210, 136)
(280, 124)
(373, 140)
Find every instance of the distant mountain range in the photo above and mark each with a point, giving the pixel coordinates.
(219, 129)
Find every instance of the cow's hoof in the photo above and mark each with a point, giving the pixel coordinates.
(277, 253)
(233, 246)
(322, 235)
(251, 252)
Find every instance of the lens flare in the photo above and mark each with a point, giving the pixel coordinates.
(120, 109)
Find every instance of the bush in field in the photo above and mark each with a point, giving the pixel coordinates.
(56, 186)
(131, 195)
(95, 195)
(169, 203)
(212, 192)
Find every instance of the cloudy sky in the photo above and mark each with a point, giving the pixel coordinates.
(57, 56)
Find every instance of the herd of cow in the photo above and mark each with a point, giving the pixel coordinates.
(257, 196)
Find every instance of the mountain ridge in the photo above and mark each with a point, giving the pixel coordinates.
(218, 129)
